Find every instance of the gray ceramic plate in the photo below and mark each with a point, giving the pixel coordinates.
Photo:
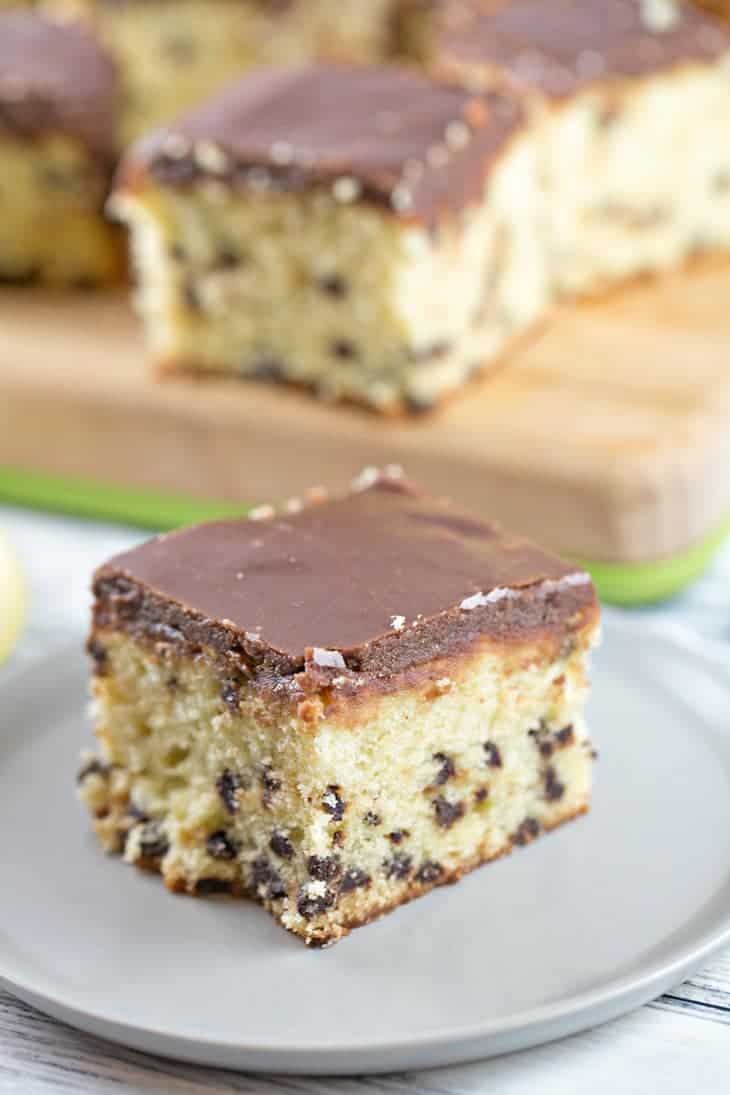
(590, 921)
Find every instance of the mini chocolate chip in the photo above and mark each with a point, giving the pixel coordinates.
(172, 682)
(399, 866)
(93, 768)
(542, 739)
(566, 736)
(228, 785)
(227, 258)
(264, 875)
(192, 297)
(545, 747)
(354, 879)
(277, 889)
(481, 794)
(594, 754)
(398, 836)
(416, 405)
(554, 789)
(177, 252)
(220, 845)
(447, 813)
(333, 285)
(338, 838)
(323, 868)
(230, 694)
(269, 780)
(309, 906)
(429, 871)
(494, 757)
(98, 654)
(344, 349)
(332, 803)
(447, 769)
(135, 812)
(212, 886)
(260, 870)
(281, 846)
(371, 818)
(153, 844)
(19, 278)
(527, 831)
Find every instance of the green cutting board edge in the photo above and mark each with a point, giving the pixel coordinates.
(618, 583)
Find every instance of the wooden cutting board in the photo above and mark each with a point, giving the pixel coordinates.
(607, 437)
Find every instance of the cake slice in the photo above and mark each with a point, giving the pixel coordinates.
(175, 54)
(334, 710)
(57, 120)
(368, 233)
(634, 100)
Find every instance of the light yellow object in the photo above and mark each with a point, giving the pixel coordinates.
(12, 598)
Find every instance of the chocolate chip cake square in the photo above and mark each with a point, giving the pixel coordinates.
(368, 233)
(57, 118)
(175, 54)
(336, 709)
(634, 99)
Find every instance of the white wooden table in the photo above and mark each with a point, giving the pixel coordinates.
(679, 1044)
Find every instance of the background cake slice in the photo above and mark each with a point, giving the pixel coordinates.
(57, 121)
(367, 233)
(635, 101)
(339, 708)
(174, 54)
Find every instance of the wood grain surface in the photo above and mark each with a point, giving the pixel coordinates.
(607, 436)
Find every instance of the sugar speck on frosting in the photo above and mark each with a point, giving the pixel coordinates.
(479, 600)
(328, 659)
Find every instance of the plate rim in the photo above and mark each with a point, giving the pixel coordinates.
(447, 1045)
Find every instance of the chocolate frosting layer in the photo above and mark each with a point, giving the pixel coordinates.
(55, 78)
(387, 135)
(561, 46)
(378, 581)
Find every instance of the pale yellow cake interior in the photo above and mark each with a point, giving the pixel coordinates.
(393, 792)
(52, 227)
(339, 295)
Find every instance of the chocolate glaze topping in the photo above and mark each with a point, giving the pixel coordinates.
(55, 78)
(386, 135)
(563, 45)
(375, 582)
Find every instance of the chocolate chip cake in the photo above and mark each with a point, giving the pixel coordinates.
(368, 233)
(336, 709)
(174, 54)
(633, 99)
(57, 118)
